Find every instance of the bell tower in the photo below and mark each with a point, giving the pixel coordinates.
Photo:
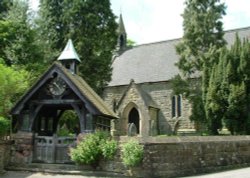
(122, 35)
(69, 57)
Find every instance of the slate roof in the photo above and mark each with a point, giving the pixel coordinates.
(149, 102)
(88, 92)
(77, 84)
(154, 62)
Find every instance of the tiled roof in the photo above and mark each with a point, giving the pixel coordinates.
(80, 87)
(88, 92)
(154, 62)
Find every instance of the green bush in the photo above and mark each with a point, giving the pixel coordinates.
(131, 153)
(94, 147)
(4, 126)
(109, 149)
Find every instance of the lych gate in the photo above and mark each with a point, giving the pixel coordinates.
(40, 114)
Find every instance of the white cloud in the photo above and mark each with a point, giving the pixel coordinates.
(238, 14)
(147, 20)
(156, 20)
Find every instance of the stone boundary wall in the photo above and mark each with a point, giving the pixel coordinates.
(186, 155)
(5, 148)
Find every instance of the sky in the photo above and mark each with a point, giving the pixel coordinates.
(148, 21)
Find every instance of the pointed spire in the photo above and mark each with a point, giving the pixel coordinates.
(121, 27)
(122, 36)
(69, 52)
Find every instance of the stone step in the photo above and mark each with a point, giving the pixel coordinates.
(67, 169)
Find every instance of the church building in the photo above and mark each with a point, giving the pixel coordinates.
(140, 90)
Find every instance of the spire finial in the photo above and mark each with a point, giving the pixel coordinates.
(69, 52)
(69, 57)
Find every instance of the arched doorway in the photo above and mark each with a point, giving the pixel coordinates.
(134, 117)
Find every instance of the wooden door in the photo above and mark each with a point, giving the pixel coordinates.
(53, 149)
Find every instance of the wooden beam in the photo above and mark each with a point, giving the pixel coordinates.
(33, 114)
(81, 112)
(56, 101)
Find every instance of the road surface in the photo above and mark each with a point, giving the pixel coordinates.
(238, 173)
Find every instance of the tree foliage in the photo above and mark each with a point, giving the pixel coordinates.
(199, 50)
(91, 25)
(228, 94)
(4, 126)
(19, 44)
(13, 83)
(203, 33)
(4, 7)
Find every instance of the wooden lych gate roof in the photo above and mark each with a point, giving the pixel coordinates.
(85, 93)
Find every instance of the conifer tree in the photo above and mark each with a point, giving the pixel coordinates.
(227, 99)
(237, 118)
(200, 47)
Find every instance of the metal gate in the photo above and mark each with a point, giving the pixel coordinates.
(53, 149)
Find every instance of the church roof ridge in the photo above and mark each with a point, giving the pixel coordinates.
(154, 62)
(179, 38)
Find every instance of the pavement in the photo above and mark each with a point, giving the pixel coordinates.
(237, 173)
(241, 173)
(26, 174)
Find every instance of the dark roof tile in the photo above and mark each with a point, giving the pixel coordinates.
(154, 62)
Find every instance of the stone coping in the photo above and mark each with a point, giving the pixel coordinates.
(8, 142)
(184, 139)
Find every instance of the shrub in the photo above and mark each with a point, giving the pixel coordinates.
(94, 147)
(109, 149)
(4, 126)
(131, 153)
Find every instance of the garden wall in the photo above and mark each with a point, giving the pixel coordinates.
(186, 155)
(5, 148)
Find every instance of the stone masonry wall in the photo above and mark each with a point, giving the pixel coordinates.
(186, 155)
(22, 150)
(161, 93)
(4, 154)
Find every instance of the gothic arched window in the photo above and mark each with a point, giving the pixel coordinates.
(176, 106)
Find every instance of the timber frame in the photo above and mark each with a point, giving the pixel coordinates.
(37, 114)
(78, 97)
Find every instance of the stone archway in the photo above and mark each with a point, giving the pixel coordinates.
(131, 114)
(134, 117)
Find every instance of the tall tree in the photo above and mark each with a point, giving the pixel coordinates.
(203, 32)
(237, 116)
(92, 27)
(228, 92)
(19, 44)
(201, 43)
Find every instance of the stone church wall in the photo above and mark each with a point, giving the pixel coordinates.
(161, 93)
